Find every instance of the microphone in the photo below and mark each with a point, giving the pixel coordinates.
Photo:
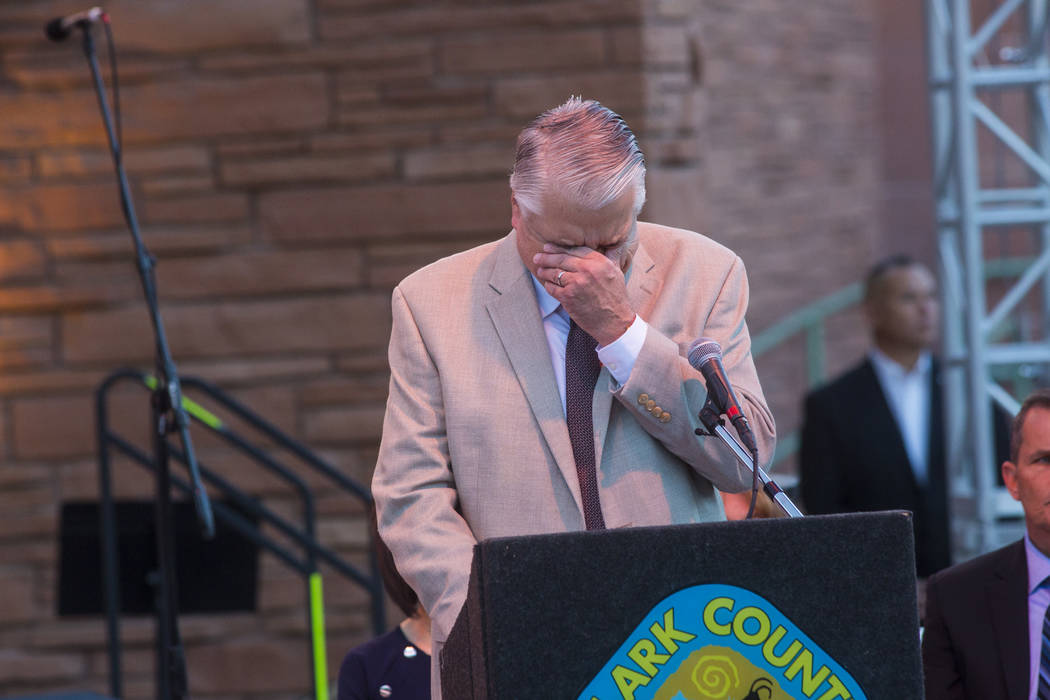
(61, 27)
(705, 355)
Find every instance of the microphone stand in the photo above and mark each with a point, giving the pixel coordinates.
(712, 420)
(168, 416)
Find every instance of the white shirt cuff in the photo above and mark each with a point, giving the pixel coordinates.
(620, 355)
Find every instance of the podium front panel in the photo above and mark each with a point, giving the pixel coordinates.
(551, 616)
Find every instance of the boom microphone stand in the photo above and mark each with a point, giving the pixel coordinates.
(167, 412)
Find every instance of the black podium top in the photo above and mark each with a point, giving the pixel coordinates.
(585, 614)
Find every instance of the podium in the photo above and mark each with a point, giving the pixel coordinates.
(821, 607)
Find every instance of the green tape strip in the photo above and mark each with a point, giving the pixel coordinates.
(191, 407)
(317, 628)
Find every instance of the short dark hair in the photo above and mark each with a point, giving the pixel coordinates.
(396, 587)
(883, 267)
(1039, 398)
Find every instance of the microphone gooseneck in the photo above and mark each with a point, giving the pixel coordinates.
(705, 355)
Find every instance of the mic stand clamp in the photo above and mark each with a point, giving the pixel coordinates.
(715, 427)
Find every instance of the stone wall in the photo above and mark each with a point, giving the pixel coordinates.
(290, 161)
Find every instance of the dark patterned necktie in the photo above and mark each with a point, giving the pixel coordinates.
(581, 373)
(1044, 657)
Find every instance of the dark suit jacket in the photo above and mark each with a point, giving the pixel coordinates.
(853, 459)
(975, 646)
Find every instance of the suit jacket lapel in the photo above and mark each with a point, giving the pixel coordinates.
(936, 467)
(881, 422)
(640, 288)
(516, 316)
(1008, 604)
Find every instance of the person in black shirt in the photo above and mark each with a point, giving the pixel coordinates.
(395, 665)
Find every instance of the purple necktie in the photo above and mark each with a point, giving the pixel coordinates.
(581, 374)
(1044, 655)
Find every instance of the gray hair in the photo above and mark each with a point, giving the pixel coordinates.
(583, 149)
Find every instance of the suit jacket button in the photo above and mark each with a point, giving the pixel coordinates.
(656, 411)
(642, 398)
(650, 404)
(665, 417)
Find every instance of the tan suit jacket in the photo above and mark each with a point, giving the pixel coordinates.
(475, 443)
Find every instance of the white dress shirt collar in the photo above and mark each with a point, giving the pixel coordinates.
(548, 304)
(1038, 601)
(618, 356)
(885, 365)
(1038, 565)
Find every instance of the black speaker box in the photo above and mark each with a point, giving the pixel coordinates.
(217, 575)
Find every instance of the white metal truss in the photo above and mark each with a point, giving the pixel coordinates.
(990, 114)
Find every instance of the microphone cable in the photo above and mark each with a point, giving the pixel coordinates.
(754, 484)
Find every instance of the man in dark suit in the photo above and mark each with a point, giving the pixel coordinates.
(986, 618)
(873, 438)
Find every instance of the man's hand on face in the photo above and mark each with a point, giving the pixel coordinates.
(590, 285)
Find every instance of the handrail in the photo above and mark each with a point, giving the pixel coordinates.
(303, 537)
(275, 434)
(212, 423)
(806, 317)
(810, 319)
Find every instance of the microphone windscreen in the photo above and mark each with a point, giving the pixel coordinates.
(702, 350)
(55, 31)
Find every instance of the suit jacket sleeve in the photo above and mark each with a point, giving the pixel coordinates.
(820, 473)
(414, 485)
(943, 680)
(663, 373)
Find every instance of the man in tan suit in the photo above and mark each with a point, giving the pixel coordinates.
(476, 439)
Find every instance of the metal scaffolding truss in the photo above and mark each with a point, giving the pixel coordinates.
(990, 113)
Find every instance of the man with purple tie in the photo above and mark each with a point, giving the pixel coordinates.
(987, 629)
